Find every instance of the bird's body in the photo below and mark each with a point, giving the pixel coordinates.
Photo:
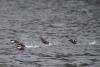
(19, 46)
(43, 40)
(73, 41)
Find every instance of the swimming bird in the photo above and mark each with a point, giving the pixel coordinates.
(73, 41)
(14, 41)
(43, 40)
(19, 45)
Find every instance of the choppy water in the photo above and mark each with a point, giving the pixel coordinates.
(57, 21)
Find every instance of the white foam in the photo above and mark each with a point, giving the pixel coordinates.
(36, 46)
(32, 46)
(93, 43)
(28, 46)
(50, 44)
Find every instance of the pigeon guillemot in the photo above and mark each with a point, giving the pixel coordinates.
(73, 41)
(20, 46)
(45, 41)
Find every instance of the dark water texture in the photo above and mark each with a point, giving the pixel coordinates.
(57, 21)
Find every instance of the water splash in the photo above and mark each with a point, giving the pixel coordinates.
(93, 43)
(30, 46)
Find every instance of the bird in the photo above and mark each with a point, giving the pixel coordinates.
(19, 45)
(20, 48)
(43, 40)
(73, 41)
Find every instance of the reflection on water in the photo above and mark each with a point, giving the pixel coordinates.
(57, 21)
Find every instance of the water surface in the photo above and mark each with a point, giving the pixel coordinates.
(57, 21)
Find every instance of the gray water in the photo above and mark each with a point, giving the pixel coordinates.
(57, 21)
